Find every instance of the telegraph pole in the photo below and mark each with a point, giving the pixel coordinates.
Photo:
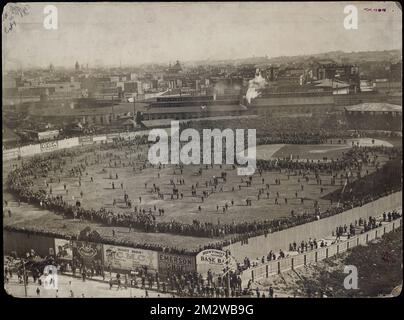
(25, 278)
(134, 113)
(228, 272)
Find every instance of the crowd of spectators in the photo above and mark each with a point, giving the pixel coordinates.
(21, 181)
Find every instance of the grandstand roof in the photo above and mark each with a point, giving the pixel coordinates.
(335, 84)
(375, 107)
(207, 109)
(167, 122)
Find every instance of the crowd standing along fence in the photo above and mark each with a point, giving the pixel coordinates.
(313, 256)
(258, 246)
(255, 247)
(49, 146)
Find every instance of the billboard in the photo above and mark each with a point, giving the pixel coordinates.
(125, 258)
(49, 146)
(64, 249)
(21, 243)
(86, 140)
(127, 135)
(211, 259)
(11, 154)
(168, 262)
(112, 136)
(69, 143)
(99, 139)
(87, 252)
(30, 150)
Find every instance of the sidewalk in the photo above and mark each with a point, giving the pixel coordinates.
(67, 284)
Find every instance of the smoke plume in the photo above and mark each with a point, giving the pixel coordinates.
(254, 85)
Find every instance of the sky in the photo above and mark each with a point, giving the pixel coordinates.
(137, 33)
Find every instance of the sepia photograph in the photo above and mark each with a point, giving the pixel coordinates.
(202, 150)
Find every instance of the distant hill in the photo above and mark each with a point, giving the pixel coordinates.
(338, 56)
(345, 57)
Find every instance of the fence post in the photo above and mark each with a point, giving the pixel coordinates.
(279, 267)
(384, 230)
(252, 275)
(393, 226)
(326, 253)
(267, 270)
(293, 260)
(347, 245)
(367, 238)
(357, 241)
(376, 234)
(337, 248)
(315, 256)
(304, 259)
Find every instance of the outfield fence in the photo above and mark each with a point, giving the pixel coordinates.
(49, 146)
(313, 256)
(258, 246)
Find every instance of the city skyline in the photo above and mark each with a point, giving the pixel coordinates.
(193, 32)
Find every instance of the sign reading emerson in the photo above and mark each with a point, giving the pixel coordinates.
(190, 152)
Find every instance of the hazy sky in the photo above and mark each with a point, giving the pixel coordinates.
(135, 33)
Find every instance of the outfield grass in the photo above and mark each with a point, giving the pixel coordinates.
(99, 193)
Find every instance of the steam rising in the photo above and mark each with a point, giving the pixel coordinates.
(253, 85)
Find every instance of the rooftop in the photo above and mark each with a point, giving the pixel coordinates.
(205, 109)
(335, 84)
(167, 122)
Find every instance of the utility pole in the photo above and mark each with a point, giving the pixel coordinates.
(227, 272)
(25, 278)
(134, 113)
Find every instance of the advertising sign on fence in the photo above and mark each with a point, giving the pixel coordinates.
(30, 150)
(112, 136)
(128, 135)
(11, 154)
(69, 143)
(99, 139)
(86, 140)
(87, 252)
(124, 258)
(168, 262)
(22, 242)
(211, 259)
(64, 249)
(49, 146)
(125, 135)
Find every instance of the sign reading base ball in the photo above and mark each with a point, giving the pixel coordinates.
(211, 259)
